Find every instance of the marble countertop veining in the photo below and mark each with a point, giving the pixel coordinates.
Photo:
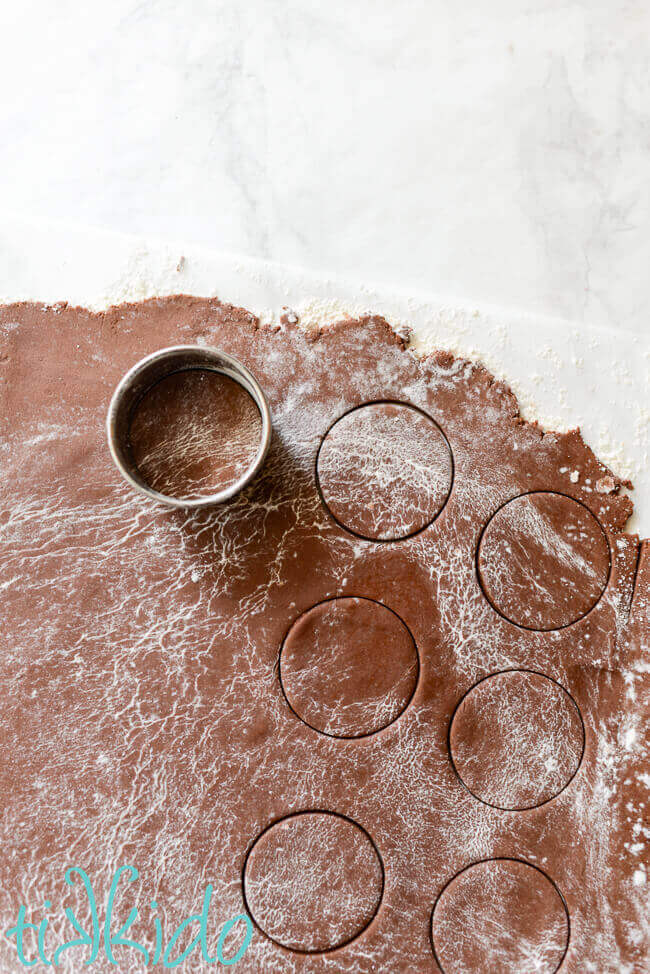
(493, 152)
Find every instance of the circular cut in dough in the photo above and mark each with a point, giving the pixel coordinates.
(516, 740)
(501, 916)
(313, 881)
(543, 561)
(348, 667)
(385, 471)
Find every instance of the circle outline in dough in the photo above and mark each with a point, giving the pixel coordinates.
(483, 587)
(480, 862)
(452, 472)
(350, 737)
(522, 808)
(375, 848)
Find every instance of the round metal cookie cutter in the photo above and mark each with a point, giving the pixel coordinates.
(142, 377)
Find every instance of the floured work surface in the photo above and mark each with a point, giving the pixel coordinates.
(390, 701)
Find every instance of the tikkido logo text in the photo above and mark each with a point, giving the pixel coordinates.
(32, 943)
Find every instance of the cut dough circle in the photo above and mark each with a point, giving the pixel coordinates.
(313, 881)
(543, 561)
(385, 471)
(516, 739)
(349, 667)
(500, 915)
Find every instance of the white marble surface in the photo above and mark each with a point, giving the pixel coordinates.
(494, 151)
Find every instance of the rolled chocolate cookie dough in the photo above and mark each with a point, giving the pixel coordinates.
(388, 701)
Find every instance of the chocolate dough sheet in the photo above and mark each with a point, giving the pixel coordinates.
(388, 702)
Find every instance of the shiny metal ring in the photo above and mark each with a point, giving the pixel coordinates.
(146, 374)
